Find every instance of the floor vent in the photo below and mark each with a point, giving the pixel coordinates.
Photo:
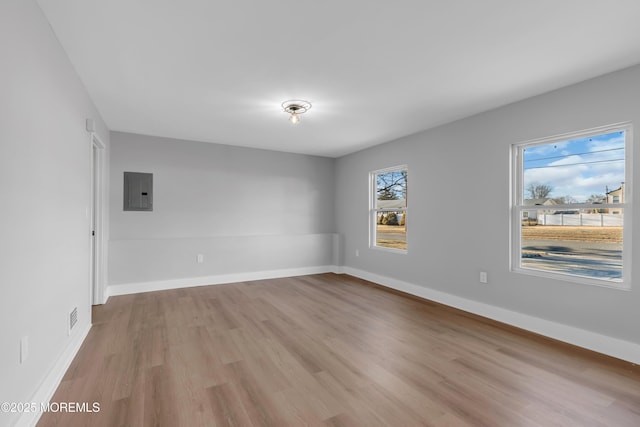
(73, 319)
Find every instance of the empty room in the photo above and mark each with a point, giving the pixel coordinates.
(294, 213)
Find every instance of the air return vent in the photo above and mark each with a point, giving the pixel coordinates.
(73, 318)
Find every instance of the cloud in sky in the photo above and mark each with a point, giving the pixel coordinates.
(577, 168)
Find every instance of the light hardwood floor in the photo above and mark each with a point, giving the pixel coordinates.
(329, 350)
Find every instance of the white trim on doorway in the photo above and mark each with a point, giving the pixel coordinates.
(97, 232)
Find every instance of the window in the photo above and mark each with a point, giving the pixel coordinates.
(388, 213)
(571, 207)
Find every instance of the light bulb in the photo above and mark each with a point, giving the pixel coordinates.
(294, 119)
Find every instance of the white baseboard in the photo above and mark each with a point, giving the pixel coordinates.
(160, 285)
(610, 346)
(49, 385)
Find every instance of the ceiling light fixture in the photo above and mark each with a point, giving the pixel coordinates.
(295, 107)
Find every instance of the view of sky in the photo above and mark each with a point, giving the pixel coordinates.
(578, 167)
(391, 185)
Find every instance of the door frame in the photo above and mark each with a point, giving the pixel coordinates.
(97, 222)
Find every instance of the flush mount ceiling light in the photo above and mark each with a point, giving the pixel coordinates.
(295, 107)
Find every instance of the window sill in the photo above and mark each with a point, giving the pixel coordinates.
(619, 285)
(392, 250)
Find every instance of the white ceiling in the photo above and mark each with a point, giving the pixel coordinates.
(217, 71)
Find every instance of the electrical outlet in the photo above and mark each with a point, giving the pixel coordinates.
(483, 277)
(200, 258)
(357, 252)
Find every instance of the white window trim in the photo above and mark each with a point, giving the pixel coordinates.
(516, 208)
(373, 211)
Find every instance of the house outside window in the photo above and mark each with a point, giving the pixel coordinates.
(566, 223)
(616, 196)
(388, 209)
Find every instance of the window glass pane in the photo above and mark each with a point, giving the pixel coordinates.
(391, 189)
(391, 230)
(389, 212)
(583, 242)
(583, 170)
(571, 206)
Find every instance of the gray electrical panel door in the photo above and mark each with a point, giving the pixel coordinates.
(138, 191)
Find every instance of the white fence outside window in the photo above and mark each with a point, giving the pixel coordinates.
(580, 219)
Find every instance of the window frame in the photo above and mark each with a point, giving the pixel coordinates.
(517, 207)
(373, 210)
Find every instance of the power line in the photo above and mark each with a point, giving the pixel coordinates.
(574, 164)
(573, 154)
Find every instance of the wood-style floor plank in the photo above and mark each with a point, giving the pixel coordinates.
(329, 350)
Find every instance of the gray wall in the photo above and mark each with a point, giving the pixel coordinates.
(245, 210)
(276, 210)
(45, 187)
(458, 221)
